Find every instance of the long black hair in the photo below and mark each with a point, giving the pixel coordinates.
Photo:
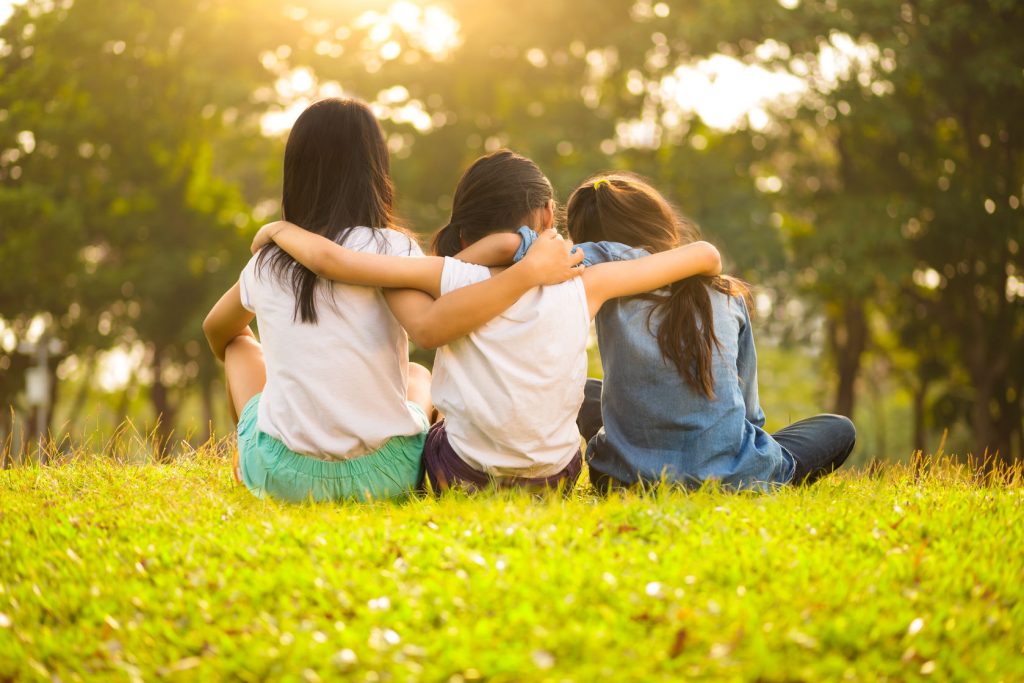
(497, 193)
(337, 175)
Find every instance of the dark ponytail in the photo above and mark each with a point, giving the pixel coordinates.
(447, 241)
(624, 208)
(497, 193)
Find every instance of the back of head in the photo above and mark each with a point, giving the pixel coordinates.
(497, 193)
(625, 208)
(336, 176)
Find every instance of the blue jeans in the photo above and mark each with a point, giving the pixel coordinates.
(819, 445)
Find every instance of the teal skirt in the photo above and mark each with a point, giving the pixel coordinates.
(269, 468)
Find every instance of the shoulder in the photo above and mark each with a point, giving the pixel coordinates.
(248, 282)
(456, 274)
(382, 241)
(607, 252)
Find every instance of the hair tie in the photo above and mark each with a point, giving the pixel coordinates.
(602, 181)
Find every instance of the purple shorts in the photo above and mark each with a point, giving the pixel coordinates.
(445, 469)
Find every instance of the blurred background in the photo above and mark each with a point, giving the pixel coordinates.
(860, 162)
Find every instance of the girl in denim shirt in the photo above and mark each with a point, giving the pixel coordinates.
(679, 401)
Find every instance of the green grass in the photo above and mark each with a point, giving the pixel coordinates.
(127, 572)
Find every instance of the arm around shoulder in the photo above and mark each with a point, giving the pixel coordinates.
(629, 278)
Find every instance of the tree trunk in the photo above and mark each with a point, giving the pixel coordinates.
(6, 437)
(206, 389)
(920, 436)
(82, 395)
(165, 411)
(848, 338)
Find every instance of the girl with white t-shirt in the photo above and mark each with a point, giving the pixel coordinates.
(511, 390)
(328, 406)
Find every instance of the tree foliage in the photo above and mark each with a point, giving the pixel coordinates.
(885, 193)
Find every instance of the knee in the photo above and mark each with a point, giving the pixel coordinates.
(244, 343)
(845, 429)
(418, 374)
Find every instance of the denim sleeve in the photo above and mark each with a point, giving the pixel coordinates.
(593, 252)
(746, 367)
(529, 237)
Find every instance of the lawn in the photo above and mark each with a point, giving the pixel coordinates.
(170, 572)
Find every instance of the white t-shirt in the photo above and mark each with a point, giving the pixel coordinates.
(335, 390)
(511, 390)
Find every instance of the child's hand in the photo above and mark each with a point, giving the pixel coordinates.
(266, 235)
(552, 260)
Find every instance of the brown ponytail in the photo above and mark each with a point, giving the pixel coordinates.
(622, 207)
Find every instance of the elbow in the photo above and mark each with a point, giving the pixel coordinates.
(425, 339)
(209, 328)
(714, 259)
(213, 338)
(425, 335)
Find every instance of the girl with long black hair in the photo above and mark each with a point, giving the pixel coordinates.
(327, 404)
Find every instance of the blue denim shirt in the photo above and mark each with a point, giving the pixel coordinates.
(655, 423)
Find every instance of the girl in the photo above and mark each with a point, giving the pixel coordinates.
(511, 390)
(326, 402)
(679, 399)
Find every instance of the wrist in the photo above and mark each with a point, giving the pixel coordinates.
(528, 275)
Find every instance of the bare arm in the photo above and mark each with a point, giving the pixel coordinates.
(432, 323)
(226, 320)
(627, 278)
(494, 250)
(429, 323)
(334, 262)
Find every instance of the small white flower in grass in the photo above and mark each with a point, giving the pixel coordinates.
(915, 626)
(714, 607)
(543, 659)
(928, 667)
(689, 580)
(608, 578)
(379, 604)
(5, 621)
(897, 509)
(381, 639)
(319, 637)
(344, 659)
(653, 589)
(476, 558)
(802, 639)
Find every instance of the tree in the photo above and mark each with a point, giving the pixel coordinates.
(122, 224)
